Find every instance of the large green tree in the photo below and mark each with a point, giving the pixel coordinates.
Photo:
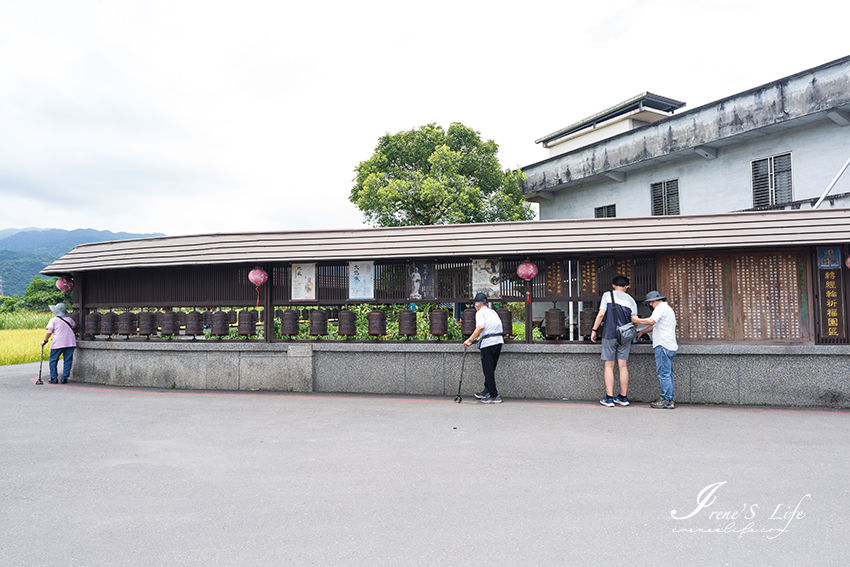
(432, 176)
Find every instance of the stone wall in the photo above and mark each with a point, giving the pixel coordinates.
(804, 375)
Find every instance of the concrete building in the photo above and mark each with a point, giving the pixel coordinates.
(776, 146)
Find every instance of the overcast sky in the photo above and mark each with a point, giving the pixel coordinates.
(187, 117)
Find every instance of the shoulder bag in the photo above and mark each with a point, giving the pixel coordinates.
(625, 333)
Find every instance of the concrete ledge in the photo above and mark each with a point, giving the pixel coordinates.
(805, 375)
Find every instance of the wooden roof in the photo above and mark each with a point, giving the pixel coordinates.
(619, 235)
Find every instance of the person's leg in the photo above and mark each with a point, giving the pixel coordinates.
(664, 366)
(609, 378)
(624, 377)
(67, 361)
(489, 360)
(54, 361)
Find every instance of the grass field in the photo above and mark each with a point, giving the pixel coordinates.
(18, 346)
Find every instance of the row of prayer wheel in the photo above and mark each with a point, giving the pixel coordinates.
(467, 321)
(169, 323)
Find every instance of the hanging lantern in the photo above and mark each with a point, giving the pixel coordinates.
(65, 284)
(527, 271)
(258, 277)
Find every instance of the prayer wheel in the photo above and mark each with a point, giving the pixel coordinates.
(93, 323)
(147, 323)
(232, 317)
(407, 323)
(194, 323)
(438, 323)
(247, 323)
(278, 313)
(208, 318)
(377, 323)
(289, 322)
(220, 324)
(109, 323)
(305, 314)
(318, 323)
(587, 318)
(170, 323)
(347, 323)
(126, 324)
(507, 320)
(554, 322)
(182, 318)
(467, 322)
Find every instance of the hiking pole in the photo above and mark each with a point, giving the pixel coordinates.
(40, 363)
(459, 398)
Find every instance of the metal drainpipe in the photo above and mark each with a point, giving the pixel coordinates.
(831, 185)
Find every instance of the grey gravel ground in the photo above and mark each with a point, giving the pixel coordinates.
(94, 476)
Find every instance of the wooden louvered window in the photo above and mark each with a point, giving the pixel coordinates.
(605, 212)
(665, 198)
(772, 180)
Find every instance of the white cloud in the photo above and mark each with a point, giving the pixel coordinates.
(188, 116)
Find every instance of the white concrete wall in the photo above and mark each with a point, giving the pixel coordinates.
(720, 185)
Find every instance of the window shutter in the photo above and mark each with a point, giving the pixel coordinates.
(657, 199)
(761, 182)
(605, 212)
(782, 179)
(665, 198)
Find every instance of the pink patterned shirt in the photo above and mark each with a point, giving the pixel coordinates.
(63, 336)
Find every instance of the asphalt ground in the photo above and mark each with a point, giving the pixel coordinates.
(94, 476)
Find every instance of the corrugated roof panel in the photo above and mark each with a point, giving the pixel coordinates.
(730, 230)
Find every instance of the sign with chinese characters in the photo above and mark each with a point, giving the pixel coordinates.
(554, 278)
(486, 277)
(832, 312)
(421, 280)
(303, 282)
(361, 280)
(589, 278)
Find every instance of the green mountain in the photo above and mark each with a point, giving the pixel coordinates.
(24, 253)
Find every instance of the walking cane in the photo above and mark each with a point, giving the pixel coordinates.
(40, 364)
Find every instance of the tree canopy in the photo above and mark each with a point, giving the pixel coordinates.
(431, 176)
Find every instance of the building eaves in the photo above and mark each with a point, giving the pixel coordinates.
(518, 239)
(645, 99)
(798, 98)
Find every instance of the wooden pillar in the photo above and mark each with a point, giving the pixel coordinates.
(268, 306)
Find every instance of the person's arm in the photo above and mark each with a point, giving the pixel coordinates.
(599, 317)
(47, 337)
(649, 322)
(475, 334)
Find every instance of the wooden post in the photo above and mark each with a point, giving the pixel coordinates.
(268, 306)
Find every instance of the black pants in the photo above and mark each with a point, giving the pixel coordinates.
(489, 360)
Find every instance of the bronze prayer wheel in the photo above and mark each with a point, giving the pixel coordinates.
(407, 323)
(182, 316)
(377, 323)
(170, 323)
(220, 324)
(247, 323)
(438, 323)
(467, 322)
(587, 318)
(109, 323)
(318, 323)
(347, 323)
(232, 317)
(507, 320)
(194, 323)
(208, 318)
(289, 322)
(147, 323)
(554, 322)
(126, 324)
(93, 323)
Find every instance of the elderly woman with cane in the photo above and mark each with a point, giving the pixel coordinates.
(61, 328)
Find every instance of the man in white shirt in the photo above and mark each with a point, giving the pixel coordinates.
(662, 323)
(488, 326)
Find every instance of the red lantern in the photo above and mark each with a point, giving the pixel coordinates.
(258, 277)
(526, 271)
(65, 284)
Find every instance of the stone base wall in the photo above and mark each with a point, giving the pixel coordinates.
(775, 375)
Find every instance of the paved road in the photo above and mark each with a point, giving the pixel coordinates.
(94, 476)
